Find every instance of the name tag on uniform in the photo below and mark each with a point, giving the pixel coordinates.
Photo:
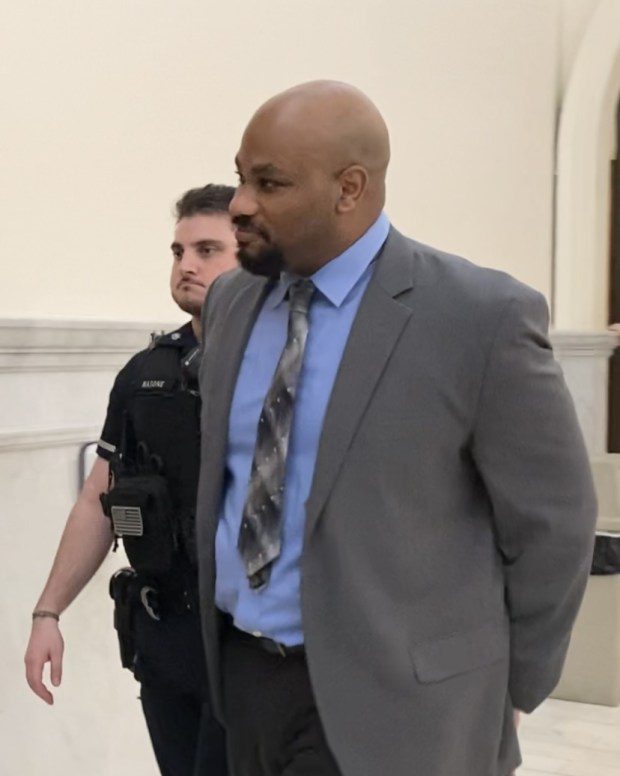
(157, 385)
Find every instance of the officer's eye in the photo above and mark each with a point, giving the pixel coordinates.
(177, 255)
(206, 251)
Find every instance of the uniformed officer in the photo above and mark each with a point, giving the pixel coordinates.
(147, 470)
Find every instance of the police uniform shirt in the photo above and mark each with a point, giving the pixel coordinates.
(128, 382)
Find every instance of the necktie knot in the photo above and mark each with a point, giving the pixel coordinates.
(300, 295)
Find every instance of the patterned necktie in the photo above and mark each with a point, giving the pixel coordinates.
(260, 533)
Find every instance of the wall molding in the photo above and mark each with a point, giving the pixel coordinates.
(584, 358)
(584, 344)
(39, 345)
(36, 439)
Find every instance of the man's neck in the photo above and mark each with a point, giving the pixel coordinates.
(196, 327)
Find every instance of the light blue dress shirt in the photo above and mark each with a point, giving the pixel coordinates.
(275, 610)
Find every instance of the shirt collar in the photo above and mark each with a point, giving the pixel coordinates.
(183, 338)
(336, 279)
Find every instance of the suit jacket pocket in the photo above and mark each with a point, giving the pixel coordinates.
(440, 659)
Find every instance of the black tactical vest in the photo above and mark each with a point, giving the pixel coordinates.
(164, 408)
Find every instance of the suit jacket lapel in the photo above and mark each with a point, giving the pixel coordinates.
(222, 378)
(376, 329)
(240, 318)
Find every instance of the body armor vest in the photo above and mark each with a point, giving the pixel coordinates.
(163, 425)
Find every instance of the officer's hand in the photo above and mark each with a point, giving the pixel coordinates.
(45, 645)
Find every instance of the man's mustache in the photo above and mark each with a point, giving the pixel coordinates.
(245, 223)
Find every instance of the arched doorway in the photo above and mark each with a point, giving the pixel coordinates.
(586, 145)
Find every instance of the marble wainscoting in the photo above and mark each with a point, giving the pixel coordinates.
(592, 669)
(55, 377)
(584, 358)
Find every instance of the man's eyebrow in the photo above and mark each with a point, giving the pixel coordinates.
(266, 169)
(262, 169)
(206, 243)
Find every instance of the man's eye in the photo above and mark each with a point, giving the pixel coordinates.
(267, 184)
(239, 177)
(206, 251)
(177, 255)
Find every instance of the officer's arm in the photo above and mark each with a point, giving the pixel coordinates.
(85, 542)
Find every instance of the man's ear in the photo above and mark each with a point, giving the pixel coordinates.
(353, 183)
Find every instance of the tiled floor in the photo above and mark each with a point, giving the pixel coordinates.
(572, 739)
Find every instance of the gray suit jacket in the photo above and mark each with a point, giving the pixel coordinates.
(450, 523)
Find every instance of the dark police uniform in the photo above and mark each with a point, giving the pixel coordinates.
(154, 407)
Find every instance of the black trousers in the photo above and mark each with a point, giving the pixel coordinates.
(272, 724)
(170, 666)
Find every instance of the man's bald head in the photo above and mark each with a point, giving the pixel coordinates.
(341, 123)
(330, 145)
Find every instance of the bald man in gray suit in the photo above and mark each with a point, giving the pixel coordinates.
(395, 514)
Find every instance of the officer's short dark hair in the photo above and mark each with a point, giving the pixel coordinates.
(208, 200)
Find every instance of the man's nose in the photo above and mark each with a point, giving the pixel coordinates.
(189, 263)
(243, 202)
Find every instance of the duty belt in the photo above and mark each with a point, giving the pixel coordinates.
(158, 602)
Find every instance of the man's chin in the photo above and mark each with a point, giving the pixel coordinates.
(191, 306)
(268, 262)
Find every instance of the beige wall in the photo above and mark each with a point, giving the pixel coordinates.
(110, 109)
(575, 16)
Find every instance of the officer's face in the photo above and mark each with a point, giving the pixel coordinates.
(204, 246)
